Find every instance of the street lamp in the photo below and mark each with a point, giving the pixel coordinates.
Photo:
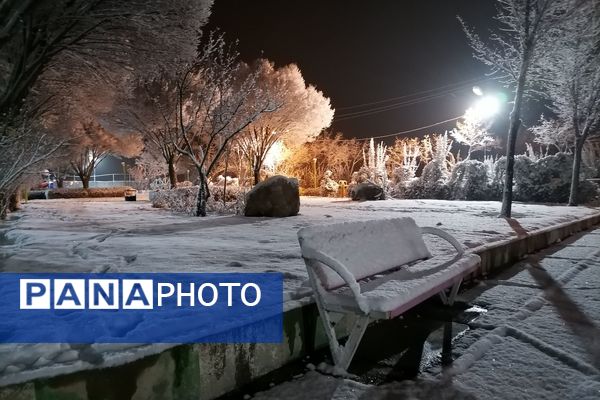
(477, 90)
(486, 107)
(314, 167)
(123, 166)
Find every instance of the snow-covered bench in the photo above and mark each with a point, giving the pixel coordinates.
(375, 270)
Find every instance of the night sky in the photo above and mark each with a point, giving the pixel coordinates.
(360, 52)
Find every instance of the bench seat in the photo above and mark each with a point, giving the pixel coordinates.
(393, 294)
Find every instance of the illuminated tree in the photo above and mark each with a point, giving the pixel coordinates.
(302, 113)
(550, 133)
(405, 157)
(59, 60)
(472, 132)
(216, 98)
(517, 52)
(330, 152)
(98, 35)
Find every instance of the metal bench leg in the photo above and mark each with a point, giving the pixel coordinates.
(448, 299)
(347, 351)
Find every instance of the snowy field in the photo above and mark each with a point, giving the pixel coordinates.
(118, 236)
(112, 235)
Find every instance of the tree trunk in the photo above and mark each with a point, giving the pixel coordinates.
(513, 130)
(14, 201)
(3, 205)
(202, 195)
(256, 170)
(172, 174)
(573, 195)
(256, 176)
(85, 181)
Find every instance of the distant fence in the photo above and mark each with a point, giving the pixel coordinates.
(100, 181)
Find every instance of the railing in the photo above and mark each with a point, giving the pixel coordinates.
(100, 181)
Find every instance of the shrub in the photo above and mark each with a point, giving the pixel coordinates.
(183, 199)
(87, 193)
(469, 181)
(546, 180)
(431, 184)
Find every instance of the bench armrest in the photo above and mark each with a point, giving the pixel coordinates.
(343, 272)
(444, 235)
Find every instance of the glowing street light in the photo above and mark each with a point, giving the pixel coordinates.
(486, 107)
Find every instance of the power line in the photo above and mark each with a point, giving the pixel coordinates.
(359, 114)
(445, 88)
(403, 132)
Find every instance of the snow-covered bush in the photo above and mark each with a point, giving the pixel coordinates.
(160, 183)
(469, 181)
(374, 169)
(183, 199)
(432, 184)
(233, 201)
(329, 187)
(546, 180)
(184, 184)
(402, 176)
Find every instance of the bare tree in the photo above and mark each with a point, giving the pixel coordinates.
(23, 148)
(100, 35)
(517, 53)
(217, 98)
(574, 86)
(93, 143)
(49, 48)
(152, 111)
(302, 113)
(550, 133)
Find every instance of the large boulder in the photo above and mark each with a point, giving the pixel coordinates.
(276, 196)
(367, 191)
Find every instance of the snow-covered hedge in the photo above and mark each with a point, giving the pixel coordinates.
(432, 184)
(470, 181)
(545, 180)
(84, 193)
(183, 199)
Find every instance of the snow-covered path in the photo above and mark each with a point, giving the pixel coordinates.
(539, 339)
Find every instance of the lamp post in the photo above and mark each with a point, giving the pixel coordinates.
(123, 166)
(314, 168)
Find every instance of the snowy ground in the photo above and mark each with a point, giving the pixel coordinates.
(118, 236)
(539, 339)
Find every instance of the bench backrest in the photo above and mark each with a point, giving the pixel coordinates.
(365, 248)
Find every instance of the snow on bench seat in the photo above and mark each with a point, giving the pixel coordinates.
(377, 269)
(393, 294)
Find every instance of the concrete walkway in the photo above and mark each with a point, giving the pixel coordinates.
(537, 336)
